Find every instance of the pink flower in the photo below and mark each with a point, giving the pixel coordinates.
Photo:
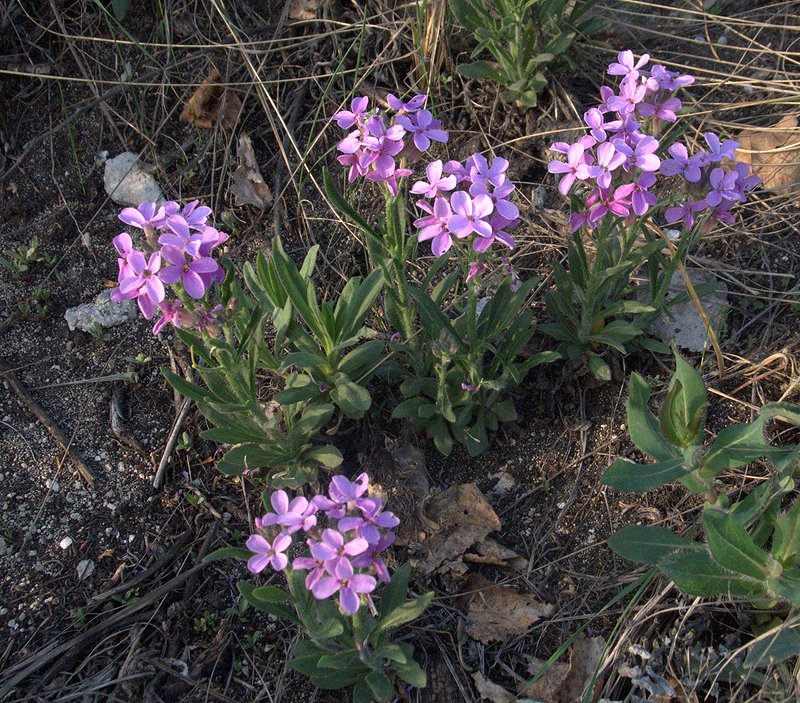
(416, 103)
(424, 128)
(436, 184)
(265, 554)
(624, 66)
(575, 168)
(348, 118)
(469, 214)
(349, 584)
(434, 226)
(186, 271)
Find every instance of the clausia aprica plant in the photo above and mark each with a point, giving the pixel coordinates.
(450, 331)
(333, 586)
(615, 176)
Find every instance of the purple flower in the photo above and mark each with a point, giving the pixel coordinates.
(745, 182)
(124, 247)
(469, 213)
(475, 269)
(315, 567)
(436, 184)
(175, 313)
(349, 584)
(669, 80)
(481, 171)
(195, 215)
(681, 163)
(187, 272)
(617, 202)
(207, 318)
(684, 211)
(575, 168)
(608, 160)
(147, 217)
(356, 164)
(296, 515)
(642, 156)
(344, 494)
(369, 559)
(356, 115)
(424, 128)
(630, 95)
(718, 151)
(498, 195)
(723, 185)
(665, 110)
(181, 237)
(143, 283)
(373, 518)
(416, 103)
(595, 120)
(333, 548)
(624, 66)
(265, 553)
(434, 226)
(641, 199)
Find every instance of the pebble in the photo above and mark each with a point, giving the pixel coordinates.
(4, 548)
(85, 569)
(65, 543)
(53, 485)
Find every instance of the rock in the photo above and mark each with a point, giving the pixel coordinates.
(102, 313)
(4, 548)
(85, 569)
(127, 184)
(686, 328)
(53, 485)
(65, 543)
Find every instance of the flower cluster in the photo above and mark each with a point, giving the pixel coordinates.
(618, 159)
(373, 147)
(178, 246)
(472, 199)
(342, 559)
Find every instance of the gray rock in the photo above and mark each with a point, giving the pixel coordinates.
(4, 548)
(102, 313)
(127, 183)
(686, 328)
(85, 569)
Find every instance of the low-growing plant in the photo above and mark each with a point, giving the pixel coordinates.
(343, 645)
(750, 547)
(524, 37)
(617, 199)
(19, 261)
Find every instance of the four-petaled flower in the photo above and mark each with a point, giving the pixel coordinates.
(349, 585)
(424, 128)
(266, 554)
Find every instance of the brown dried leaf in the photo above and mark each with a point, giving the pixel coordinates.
(212, 102)
(490, 552)
(496, 612)
(304, 9)
(464, 518)
(490, 691)
(773, 154)
(249, 187)
(566, 682)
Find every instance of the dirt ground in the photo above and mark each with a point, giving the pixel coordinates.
(102, 594)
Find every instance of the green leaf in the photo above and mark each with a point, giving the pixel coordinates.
(739, 445)
(471, 14)
(732, 547)
(697, 574)
(788, 411)
(341, 660)
(411, 673)
(481, 70)
(683, 414)
(786, 538)
(642, 424)
(327, 455)
(381, 686)
(648, 544)
(270, 603)
(408, 611)
(362, 693)
(392, 652)
(231, 436)
(393, 594)
(410, 407)
(189, 390)
(787, 585)
(774, 647)
(345, 208)
(362, 359)
(505, 410)
(627, 475)
(120, 8)
(313, 419)
(351, 317)
(297, 394)
(599, 368)
(228, 553)
(353, 399)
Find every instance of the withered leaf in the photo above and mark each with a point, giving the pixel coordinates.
(304, 9)
(773, 154)
(488, 551)
(212, 102)
(464, 518)
(497, 612)
(491, 691)
(566, 682)
(249, 187)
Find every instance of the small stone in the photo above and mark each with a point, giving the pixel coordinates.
(85, 569)
(102, 313)
(127, 184)
(65, 543)
(70, 345)
(4, 548)
(53, 485)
